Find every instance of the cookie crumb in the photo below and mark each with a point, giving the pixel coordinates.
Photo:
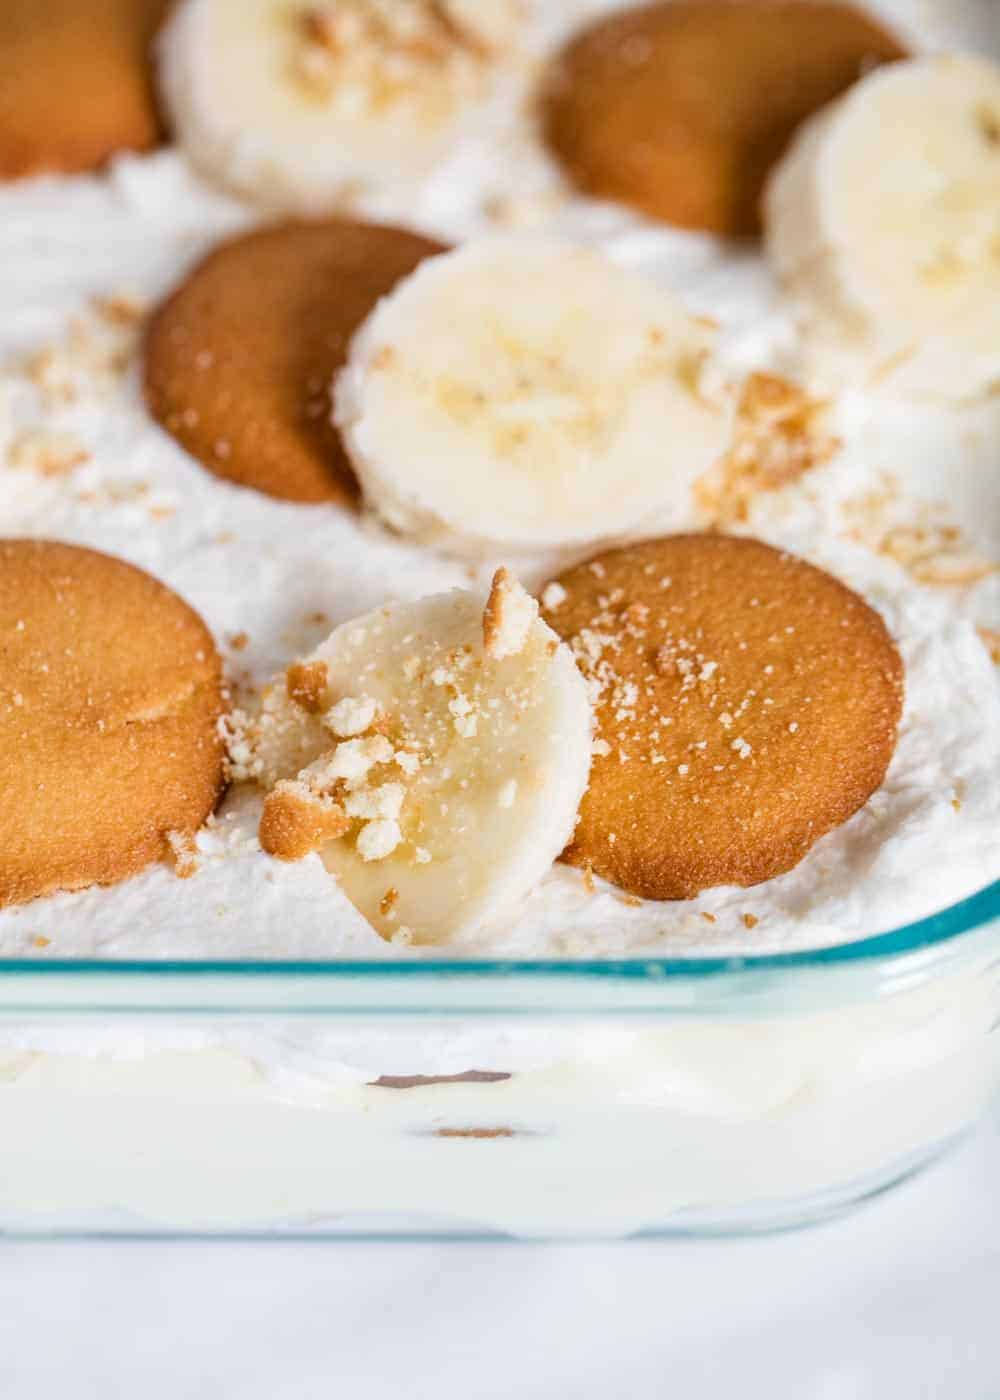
(120, 309)
(750, 920)
(353, 759)
(408, 761)
(306, 683)
(370, 803)
(46, 453)
(351, 716)
(238, 733)
(378, 839)
(508, 616)
(924, 540)
(777, 438)
(296, 822)
(184, 854)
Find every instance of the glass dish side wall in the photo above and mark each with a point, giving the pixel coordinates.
(708, 1111)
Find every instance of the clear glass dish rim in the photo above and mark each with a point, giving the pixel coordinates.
(923, 936)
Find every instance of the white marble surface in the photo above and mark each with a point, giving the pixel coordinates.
(897, 1302)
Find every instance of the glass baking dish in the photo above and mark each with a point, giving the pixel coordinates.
(528, 1099)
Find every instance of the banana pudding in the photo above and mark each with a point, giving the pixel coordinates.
(764, 982)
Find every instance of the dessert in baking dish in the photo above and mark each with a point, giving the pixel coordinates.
(584, 587)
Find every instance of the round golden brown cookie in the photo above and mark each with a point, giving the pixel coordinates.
(76, 83)
(110, 697)
(681, 108)
(746, 704)
(240, 359)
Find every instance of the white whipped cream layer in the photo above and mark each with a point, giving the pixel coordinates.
(284, 575)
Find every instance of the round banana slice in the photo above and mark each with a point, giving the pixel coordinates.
(445, 751)
(520, 394)
(298, 105)
(884, 221)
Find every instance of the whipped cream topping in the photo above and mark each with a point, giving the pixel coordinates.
(907, 512)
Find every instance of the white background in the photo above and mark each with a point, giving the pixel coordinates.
(900, 1301)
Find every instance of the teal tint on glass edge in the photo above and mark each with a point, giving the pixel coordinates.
(976, 912)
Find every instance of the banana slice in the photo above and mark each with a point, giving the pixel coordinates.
(519, 394)
(298, 105)
(435, 755)
(884, 221)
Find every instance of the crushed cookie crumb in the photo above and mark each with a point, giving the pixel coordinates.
(508, 616)
(935, 554)
(351, 716)
(237, 732)
(120, 308)
(750, 920)
(378, 839)
(47, 453)
(408, 761)
(388, 902)
(90, 358)
(777, 438)
(296, 822)
(306, 683)
(353, 759)
(183, 850)
(924, 540)
(371, 803)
